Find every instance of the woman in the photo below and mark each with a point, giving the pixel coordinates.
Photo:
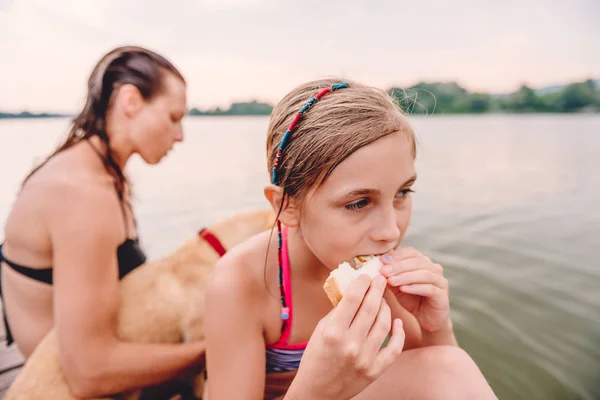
(71, 234)
(341, 158)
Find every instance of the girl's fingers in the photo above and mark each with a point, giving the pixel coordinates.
(379, 331)
(418, 276)
(390, 353)
(369, 309)
(346, 310)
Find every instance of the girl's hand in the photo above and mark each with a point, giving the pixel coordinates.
(344, 353)
(420, 287)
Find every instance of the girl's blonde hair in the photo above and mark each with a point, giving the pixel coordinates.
(340, 123)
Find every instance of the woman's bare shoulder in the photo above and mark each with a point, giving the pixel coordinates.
(64, 190)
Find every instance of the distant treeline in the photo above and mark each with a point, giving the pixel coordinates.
(26, 114)
(450, 98)
(251, 108)
(445, 98)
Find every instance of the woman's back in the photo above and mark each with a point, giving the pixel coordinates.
(56, 192)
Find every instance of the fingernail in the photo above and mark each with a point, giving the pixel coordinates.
(387, 258)
(399, 323)
(387, 270)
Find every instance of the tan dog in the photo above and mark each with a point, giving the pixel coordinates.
(161, 302)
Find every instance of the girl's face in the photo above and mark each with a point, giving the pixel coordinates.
(364, 206)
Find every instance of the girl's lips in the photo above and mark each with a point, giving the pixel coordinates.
(366, 257)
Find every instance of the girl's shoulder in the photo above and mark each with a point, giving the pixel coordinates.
(243, 272)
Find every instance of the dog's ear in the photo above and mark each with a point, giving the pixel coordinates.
(290, 212)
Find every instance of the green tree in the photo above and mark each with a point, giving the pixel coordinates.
(577, 96)
(252, 108)
(524, 100)
(479, 103)
(429, 98)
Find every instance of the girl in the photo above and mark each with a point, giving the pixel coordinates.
(71, 235)
(341, 158)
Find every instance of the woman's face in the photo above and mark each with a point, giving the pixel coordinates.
(157, 126)
(364, 207)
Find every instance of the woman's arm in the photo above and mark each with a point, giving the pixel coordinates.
(86, 229)
(234, 335)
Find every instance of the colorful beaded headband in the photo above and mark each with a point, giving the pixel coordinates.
(294, 123)
(285, 311)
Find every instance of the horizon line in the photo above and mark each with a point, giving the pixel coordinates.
(389, 86)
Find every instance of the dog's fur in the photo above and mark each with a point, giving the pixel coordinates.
(161, 302)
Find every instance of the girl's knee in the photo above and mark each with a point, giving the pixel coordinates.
(444, 357)
(455, 374)
(451, 357)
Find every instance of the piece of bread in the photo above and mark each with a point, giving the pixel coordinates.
(340, 278)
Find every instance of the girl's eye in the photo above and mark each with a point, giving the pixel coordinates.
(405, 192)
(362, 203)
(357, 205)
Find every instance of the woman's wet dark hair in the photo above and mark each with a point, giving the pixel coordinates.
(133, 65)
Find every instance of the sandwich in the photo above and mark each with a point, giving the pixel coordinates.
(340, 278)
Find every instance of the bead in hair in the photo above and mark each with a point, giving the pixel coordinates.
(285, 311)
(294, 123)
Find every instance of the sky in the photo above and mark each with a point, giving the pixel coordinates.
(239, 50)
